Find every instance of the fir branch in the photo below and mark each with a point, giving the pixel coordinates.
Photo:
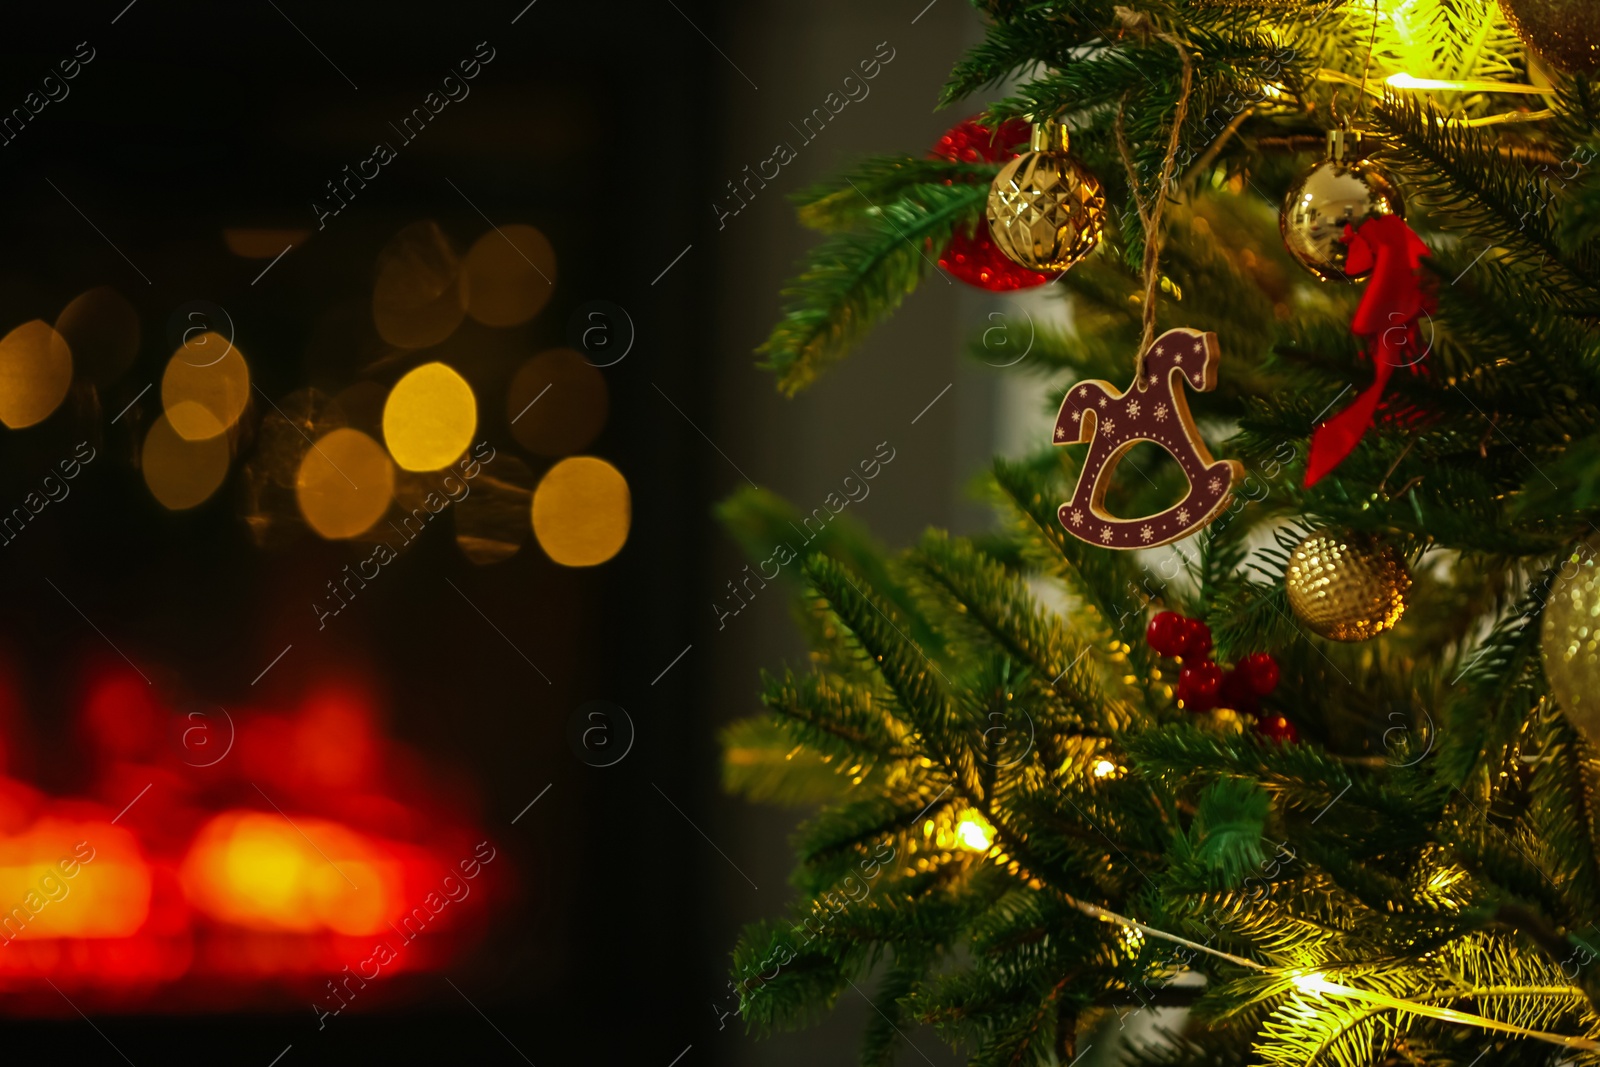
(849, 201)
(1464, 180)
(854, 279)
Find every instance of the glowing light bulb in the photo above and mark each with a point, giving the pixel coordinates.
(1312, 982)
(1403, 80)
(1104, 768)
(973, 832)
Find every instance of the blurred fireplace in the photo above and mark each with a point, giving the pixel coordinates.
(221, 859)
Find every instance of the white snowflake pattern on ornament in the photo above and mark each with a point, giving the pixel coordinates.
(1145, 533)
(1215, 485)
(1077, 517)
(1161, 413)
(1133, 409)
(1183, 515)
(1105, 533)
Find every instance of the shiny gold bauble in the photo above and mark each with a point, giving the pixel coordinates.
(1327, 198)
(1566, 32)
(1570, 638)
(1045, 208)
(1346, 587)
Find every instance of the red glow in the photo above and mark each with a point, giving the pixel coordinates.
(226, 858)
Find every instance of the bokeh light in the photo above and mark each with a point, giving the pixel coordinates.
(102, 329)
(206, 386)
(557, 403)
(510, 273)
(582, 511)
(180, 471)
(429, 418)
(110, 892)
(258, 870)
(416, 298)
(345, 484)
(35, 373)
(973, 831)
(492, 520)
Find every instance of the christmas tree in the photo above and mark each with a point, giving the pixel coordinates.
(1321, 766)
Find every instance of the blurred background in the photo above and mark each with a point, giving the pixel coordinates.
(399, 355)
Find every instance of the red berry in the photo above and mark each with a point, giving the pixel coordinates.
(1237, 692)
(970, 141)
(1279, 729)
(1199, 684)
(1261, 670)
(975, 259)
(1167, 633)
(1196, 639)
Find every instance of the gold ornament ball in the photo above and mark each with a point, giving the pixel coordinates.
(1565, 32)
(1570, 638)
(1327, 198)
(1346, 587)
(1045, 208)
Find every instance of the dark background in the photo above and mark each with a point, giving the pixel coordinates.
(612, 128)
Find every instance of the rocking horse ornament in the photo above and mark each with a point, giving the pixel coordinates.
(1152, 409)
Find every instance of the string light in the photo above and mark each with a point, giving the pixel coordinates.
(1407, 81)
(1317, 984)
(973, 832)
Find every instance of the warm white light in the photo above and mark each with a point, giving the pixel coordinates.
(1313, 982)
(974, 833)
(1407, 81)
(1104, 769)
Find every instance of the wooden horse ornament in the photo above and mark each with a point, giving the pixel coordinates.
(1153, 409)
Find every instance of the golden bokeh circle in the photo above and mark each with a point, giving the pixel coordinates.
(183, 472)
(344, 484)
(429, 418)
(208, 373)
(582, 511)
(557, 403)
(102, 329)
(510, 273)
(35, 373)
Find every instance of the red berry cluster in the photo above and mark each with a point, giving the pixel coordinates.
(1202, 685)
(969, 141)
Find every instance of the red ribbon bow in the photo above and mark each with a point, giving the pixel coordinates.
(1387, 319)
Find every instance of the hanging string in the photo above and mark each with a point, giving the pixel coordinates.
(1367, 66)
(1150, 210)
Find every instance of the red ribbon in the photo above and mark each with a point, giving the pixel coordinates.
(1387, 319)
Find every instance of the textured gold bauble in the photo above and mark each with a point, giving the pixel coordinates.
(1346, 587)
(1045, 208)
(1566, 32)
(1570, 638)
